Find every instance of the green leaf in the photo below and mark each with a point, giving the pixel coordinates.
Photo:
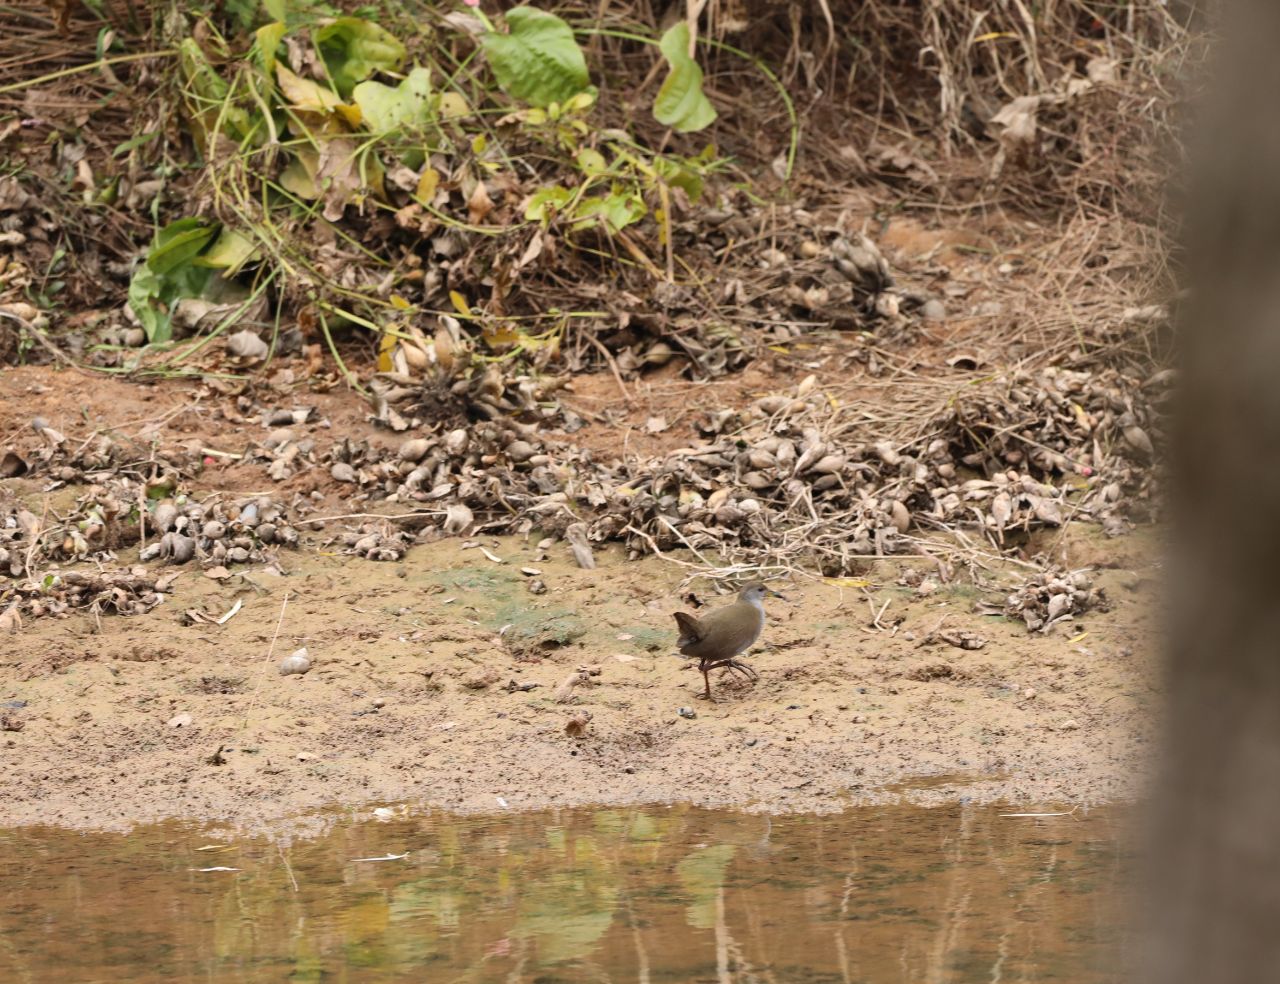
(538, 62)
(678, 175)
(614, 211)
(591, 162)
(388, 110)
(681, 103)
(229, 252)
(545, 202)
(169, 274)
(353, 49)
(177, 243)
(265, 42)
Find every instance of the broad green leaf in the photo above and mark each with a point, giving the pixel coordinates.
(178, 243)
(266, 40)
(205, 84)
(681, 103)
(169, 274)
(546, 201)
(538, 62)
(615, 211)
(591, 162)
(229, 252)
(387, 110)
(353, 49)
(678, 175)
(144, 291)
(299, 175)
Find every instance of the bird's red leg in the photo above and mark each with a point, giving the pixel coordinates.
(706, 679)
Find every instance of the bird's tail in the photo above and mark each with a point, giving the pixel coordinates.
(690, 630)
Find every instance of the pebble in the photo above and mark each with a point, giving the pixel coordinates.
(1028, 694)
(687, 712)
(304, 756)
(1071, 724)
(751, 742)
(859, 719)
(933, 310)
(379, 702)
(180, 721)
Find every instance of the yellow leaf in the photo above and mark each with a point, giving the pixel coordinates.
(453, 105)
(779, 348)
(384, 352)
(428, 182)
(304, 94)
(399, 303)
(351, 114)
(478, 144)
(579, 103)
(994, 35)
(1078, 638)
(460, 304)
(501, 335)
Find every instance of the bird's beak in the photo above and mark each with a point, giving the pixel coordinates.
(776, 594)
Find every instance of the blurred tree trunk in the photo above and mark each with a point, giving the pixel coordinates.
(1217, 832)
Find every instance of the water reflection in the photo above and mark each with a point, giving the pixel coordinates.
(644, 895)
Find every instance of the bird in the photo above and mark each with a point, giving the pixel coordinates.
(718, 637)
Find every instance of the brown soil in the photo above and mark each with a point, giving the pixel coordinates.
(407, 700)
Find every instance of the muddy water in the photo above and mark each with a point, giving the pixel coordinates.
(664, 894)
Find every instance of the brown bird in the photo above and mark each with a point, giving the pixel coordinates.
(716, 638)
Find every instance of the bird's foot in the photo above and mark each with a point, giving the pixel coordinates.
(737, 666)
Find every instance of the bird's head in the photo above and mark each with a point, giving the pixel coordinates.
(755, 591)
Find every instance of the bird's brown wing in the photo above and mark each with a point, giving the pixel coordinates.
(730, 630)
(690, 629)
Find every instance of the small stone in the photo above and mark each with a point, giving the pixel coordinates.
(520, 451)
(378, 702)
(304, 756)
(480, 679)
(809, 249)
(859, 719)
(688, 713)
(180, 721)
(536, 586)
(933, 310)
(1071, 724)
(1028, 694)
(751, 742)
(342, 472)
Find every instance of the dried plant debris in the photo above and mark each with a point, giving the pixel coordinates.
(124, 591)
(1048, 598)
